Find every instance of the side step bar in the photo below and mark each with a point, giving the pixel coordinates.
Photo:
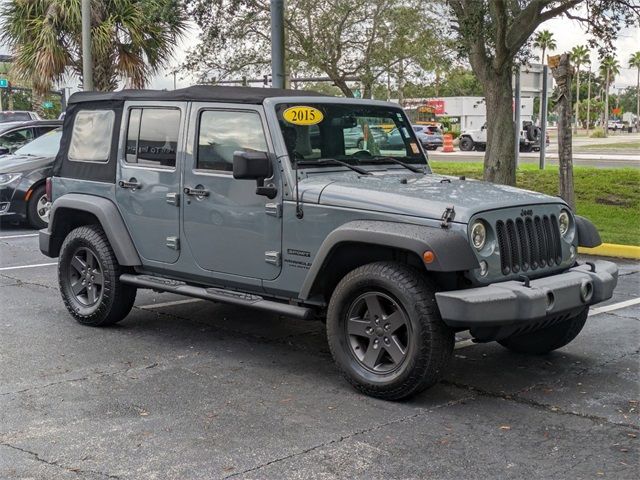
(218, 295)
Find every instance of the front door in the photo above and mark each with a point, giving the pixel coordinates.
(148, 187)
(229, 229)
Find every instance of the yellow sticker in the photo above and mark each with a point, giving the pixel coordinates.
(301, 115)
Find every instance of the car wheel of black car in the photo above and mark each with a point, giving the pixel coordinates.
(547, 339)
(385, 332)
(466, 144)
(89, 278)
(38, 208)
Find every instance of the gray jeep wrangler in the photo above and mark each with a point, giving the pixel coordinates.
(250, 197)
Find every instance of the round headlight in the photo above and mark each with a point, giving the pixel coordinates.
(478, 235)
(563, 222)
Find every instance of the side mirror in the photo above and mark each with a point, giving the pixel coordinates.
(4, 151)
(251, 165)
(255, 166)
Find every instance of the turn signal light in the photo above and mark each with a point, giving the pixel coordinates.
(428, 256)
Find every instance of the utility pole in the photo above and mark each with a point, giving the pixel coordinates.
(589, 101)
(87, 58)
(544, 102)
(277, 43)
(517, 115)
(606, 106)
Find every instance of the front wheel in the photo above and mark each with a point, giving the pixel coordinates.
(89, 279)
(385, 332)
(466, 144)
(547, 339)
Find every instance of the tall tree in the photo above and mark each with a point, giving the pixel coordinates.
(131, 39)
(634, 62)
(493, 32)
(579, 56)
(609, 69)
(359, 38)
(544, 41)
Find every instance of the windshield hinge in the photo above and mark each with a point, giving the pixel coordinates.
(447, 216)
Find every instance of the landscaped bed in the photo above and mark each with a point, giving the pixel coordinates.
(610, 198)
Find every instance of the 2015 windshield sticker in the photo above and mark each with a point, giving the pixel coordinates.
(303, 115)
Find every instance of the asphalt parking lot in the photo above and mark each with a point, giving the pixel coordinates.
(188, 389)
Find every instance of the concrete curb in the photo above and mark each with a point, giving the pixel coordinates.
(613, 250)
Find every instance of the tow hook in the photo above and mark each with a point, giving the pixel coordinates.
(525, 281)
(592, 266)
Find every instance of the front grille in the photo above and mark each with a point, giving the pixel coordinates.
(528, 244)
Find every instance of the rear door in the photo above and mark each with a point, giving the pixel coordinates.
(229, 229)
(148, 181)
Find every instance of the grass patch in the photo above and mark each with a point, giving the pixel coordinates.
(610, 198)
(612, 146)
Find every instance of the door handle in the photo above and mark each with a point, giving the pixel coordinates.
(196, 192)
(132, 184)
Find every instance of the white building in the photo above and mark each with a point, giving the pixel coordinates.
(469, 112)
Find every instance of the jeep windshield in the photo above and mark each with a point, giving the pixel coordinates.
(353, 133)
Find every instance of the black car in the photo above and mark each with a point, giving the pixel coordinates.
(22, 180)
(14, 135)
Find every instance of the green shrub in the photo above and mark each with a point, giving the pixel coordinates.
(597, 133)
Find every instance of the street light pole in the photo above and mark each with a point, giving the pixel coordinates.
(277, 43)
(589, 100)
(87, 60)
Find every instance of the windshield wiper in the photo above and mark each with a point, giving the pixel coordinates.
(325, 161)
(413, 168)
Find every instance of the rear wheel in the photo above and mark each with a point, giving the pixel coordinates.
(385, 332)
(38, 208)
(89, 279)
(466, 144)
(547, 339)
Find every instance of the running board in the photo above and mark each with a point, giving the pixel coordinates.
(218, 295)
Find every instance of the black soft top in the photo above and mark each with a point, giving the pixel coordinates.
(209, 93)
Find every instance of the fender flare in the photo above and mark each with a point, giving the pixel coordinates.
(588, 235)
(110, 219)
(451, 248)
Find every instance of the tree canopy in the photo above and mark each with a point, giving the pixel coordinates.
(131, 39)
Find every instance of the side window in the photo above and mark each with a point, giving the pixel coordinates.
(152, 136)
(16, 138)
(91, 136)
(221, 133)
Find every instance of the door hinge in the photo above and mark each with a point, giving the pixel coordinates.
(173, 199)
(273, 209)
(173, 242)
(273, 258)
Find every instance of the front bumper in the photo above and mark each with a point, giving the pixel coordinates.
(515, 304)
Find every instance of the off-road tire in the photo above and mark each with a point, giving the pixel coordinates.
(466, 144)
(116, 299)
(32, 209)
(547, 339)
(429, 345)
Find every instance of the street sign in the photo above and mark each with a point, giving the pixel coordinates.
(357, 93)
(4, 83)
(47, 105)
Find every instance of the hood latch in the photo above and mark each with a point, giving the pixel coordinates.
(447, 216)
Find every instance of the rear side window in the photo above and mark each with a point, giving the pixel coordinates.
(222, 132)
(152, 137)
(91, 136)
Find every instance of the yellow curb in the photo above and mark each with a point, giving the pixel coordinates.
(613, 250)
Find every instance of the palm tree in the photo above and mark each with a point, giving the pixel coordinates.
(609, 69)
(634, 62)
(580, 56)
(544, 41)
(131, 39)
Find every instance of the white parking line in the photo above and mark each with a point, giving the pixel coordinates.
(19, 236)
(20, 267)
(169, 304)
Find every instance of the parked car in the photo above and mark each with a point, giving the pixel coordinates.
(394, 257)
(477, 139)
(22, 180)
(354, 136)
(430, 136)
(18, 116)
(14, 135)
(616, 125)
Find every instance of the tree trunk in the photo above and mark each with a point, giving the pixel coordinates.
(562, 73)
(638, 102)
(499, 158)
(606, 106)
(344, 88)
(577, 98)
(401, 83)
